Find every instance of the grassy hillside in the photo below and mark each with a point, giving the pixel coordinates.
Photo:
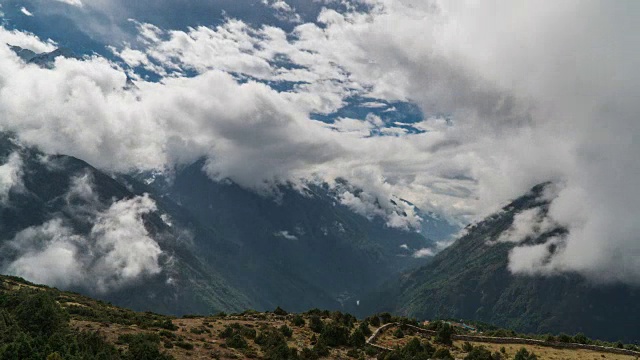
(471, 280)
(38, 322)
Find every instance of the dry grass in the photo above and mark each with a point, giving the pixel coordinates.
(549, 353)
(209, 344)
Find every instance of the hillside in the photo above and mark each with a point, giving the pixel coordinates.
(39, 322)
(471, 280)
(69, 224)
(188, 244)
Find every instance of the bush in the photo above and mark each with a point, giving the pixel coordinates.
(280, 311)
(442, 354)
(286, 331)
(443, 334)
(298, 321)
(398, 334)
(523, 354)
(334, 334)
(315, 324)
(467, 347)
(357, 339)
(479, 353)
(39, 314)
(184, 345)
(236, 341)
(374, 321)
(364, 327)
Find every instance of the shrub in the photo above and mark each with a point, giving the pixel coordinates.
(443, 334)
(298, 321)
(315, 324)
(280, 311)
(357, 339)
(442, 354)
(374, 321)
(479, 353)
(364, 327)
(523, 354)
(467, 347)
(286, 331)
(334, 334)
(184, 345)
(236, 341)
(399, 334)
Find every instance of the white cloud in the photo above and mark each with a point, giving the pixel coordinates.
(118, 250)
(10, 176)
(534, 92)
(283, 10)
(25, 11)
(286, 235)
(72, 2)
(422, 253)
(529, 223)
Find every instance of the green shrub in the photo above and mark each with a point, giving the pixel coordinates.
(280, 311)
(315, 324)
(442, 354)
(357, 339)
(298, 321)
(443, 334)
(398, 334)
(334, 334)
(286, 331)
(479, 353)
(236, 341)
(524, 354)
(184, 345)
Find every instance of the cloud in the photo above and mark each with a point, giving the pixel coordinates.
(10, 176)
(25, 11)
(285, 235)
(513, 95)
(527, 224)
(422, 253)
(118, 250)
(283, 10)
(72, 2)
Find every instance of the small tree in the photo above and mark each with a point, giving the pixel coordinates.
(442, 354)
(443, 335)
(357, 339)
(286, 331)
(280, 311)
(316, 324)
(298, 321)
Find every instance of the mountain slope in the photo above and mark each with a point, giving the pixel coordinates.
(298, 249)
(68, 224)
(471, 280)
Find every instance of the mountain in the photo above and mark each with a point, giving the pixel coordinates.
(68, 224)
(297, 249)
(189, 244)
(471, 280)
(46, 59)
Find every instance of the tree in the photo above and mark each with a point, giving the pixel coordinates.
(443, 335)
(316, 324)
(357, 339)
(298, 321)
(280, 311)
(442, 354)
(39, 314)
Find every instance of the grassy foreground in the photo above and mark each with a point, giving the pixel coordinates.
(38, 322)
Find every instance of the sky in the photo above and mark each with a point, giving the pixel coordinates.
(456, 107)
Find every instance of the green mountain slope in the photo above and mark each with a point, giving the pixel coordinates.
(471, 280)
